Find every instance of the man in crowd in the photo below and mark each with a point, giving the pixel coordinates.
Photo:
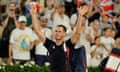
(21, 42)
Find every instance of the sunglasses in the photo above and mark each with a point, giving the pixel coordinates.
(22, 22)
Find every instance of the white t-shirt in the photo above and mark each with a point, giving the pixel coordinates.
(107, 42)
(73, 19)
(20, 40)
(48, 15)
(92, 32)
(99, 50)
(95, 61)
(40, 48)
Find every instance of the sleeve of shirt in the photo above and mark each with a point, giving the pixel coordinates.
(70, 44)
(73, 19)
(49, 44)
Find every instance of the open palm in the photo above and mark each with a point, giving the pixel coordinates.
(83, 10)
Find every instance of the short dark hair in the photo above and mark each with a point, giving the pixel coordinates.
(83, 4)
(107, 28)
(97, 37)
(64, 28)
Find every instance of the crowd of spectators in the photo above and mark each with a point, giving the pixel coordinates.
(18, 42)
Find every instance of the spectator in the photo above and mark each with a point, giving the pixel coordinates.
(116, 44)
(117, 7)
(107, 40)
(116, 25)
(94, 12)
(8, 25)
(59, 49)
(56, 6)
(107, 63)
(97, 52)
(41, 53)
(61, 19)
(113, 34)
(105, 22)
(48, 11)
(74, 17)
(21, 42)
(68, 7)
(94, 31)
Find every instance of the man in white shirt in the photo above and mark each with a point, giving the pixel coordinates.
(21, 42)
(40, 51)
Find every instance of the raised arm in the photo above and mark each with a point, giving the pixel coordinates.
(36, 25)
(12, 15)
(77, 33)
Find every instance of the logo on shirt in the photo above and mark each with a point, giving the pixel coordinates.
(23, 43)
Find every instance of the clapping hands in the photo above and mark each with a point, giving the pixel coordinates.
(83, 10)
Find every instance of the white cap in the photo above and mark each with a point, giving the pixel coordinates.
(22, 18)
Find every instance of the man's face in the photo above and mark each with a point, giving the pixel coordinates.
(61, 10)
(49, 2)
(108, 32)
(96, 25)
(59, 33)
(12, 6)
(22, 24)
(43, 22)
(105, 19)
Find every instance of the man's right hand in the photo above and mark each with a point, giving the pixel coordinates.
(33, 10)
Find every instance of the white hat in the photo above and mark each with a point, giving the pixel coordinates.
(22, 18)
